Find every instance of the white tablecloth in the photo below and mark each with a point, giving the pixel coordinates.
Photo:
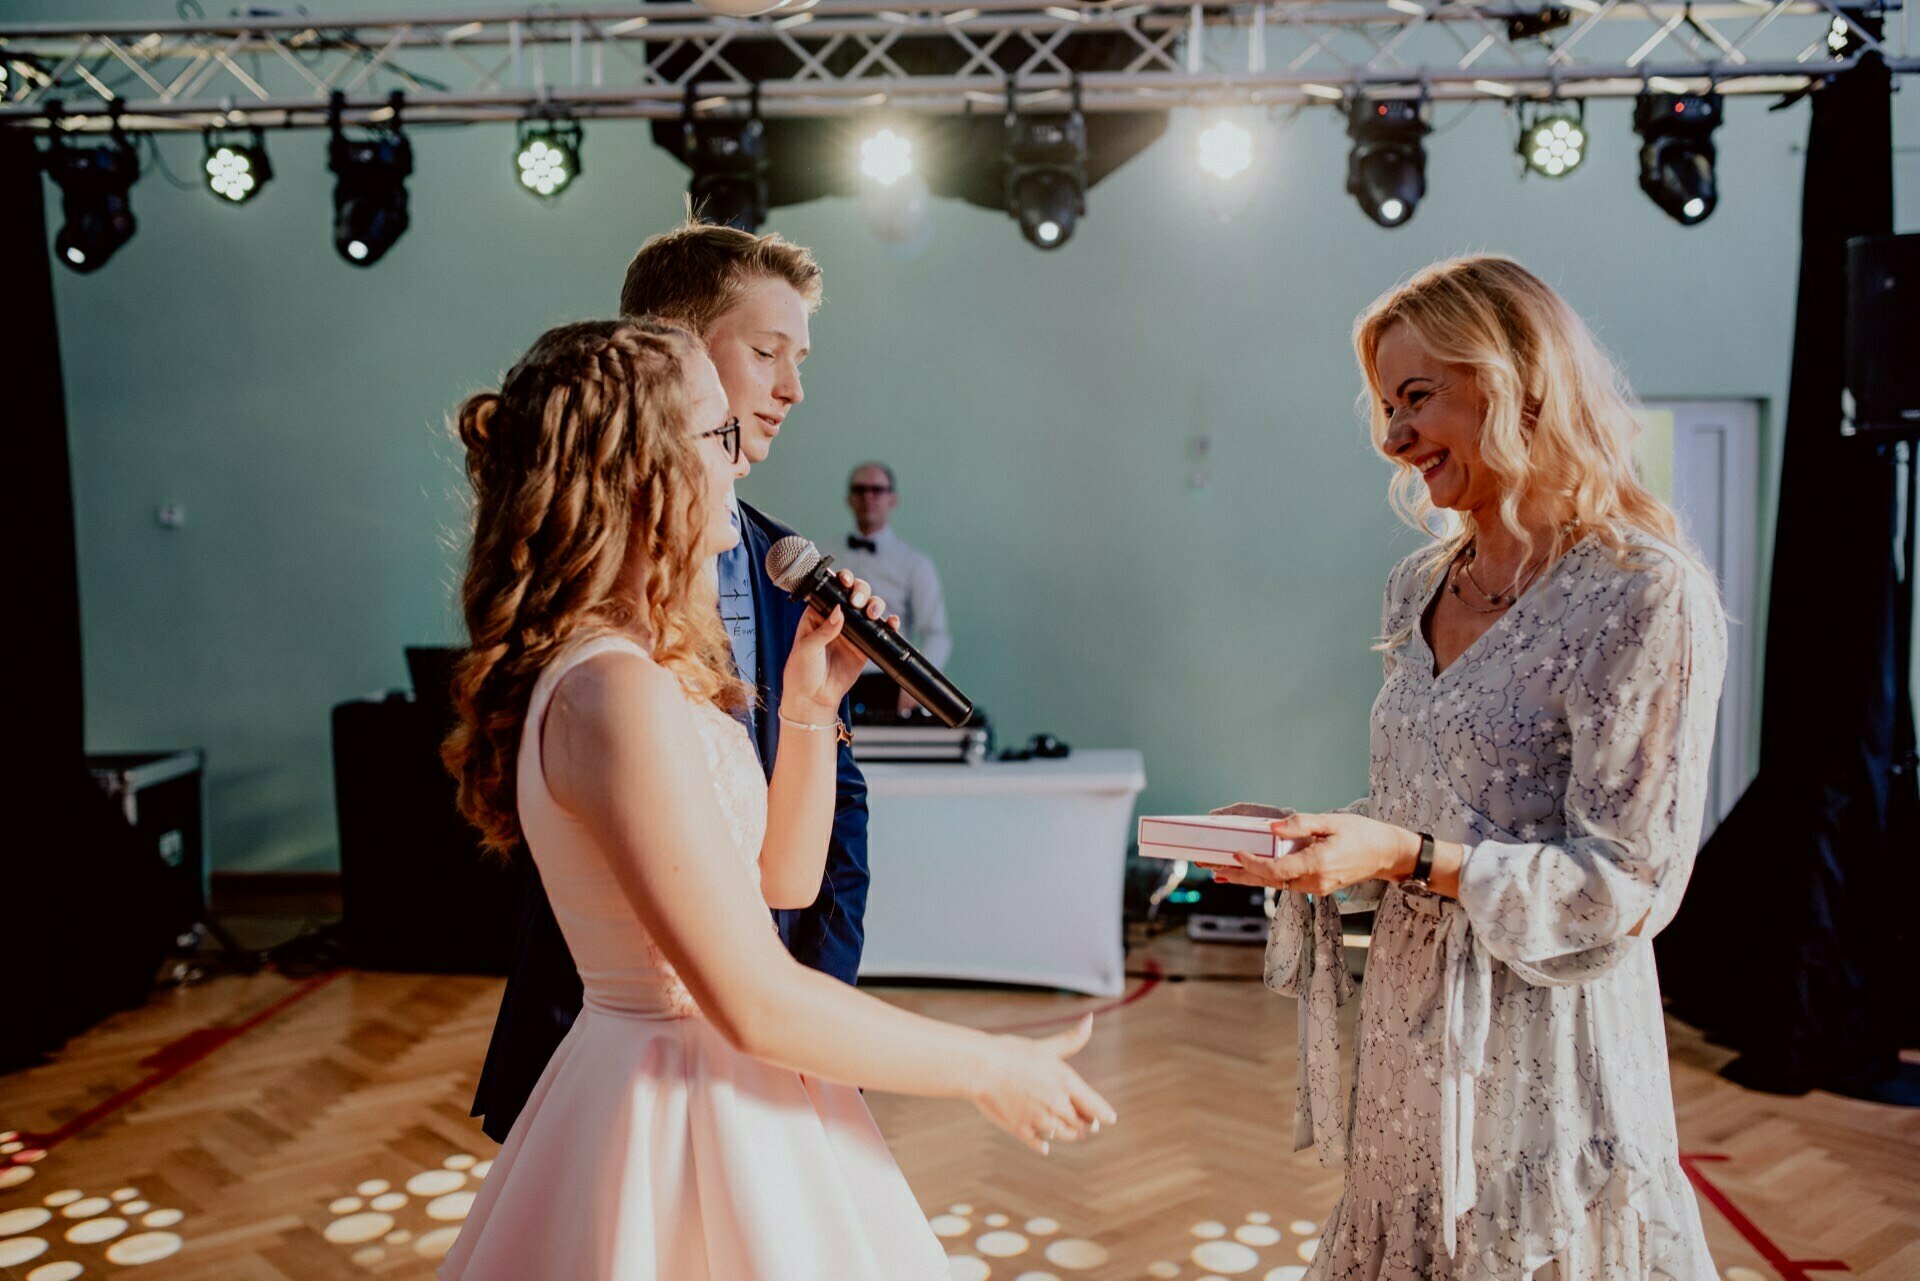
(1005, 872)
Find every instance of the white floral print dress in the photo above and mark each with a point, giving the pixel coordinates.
(1511, 1112)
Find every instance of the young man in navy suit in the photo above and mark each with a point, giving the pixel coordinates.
(749, 297)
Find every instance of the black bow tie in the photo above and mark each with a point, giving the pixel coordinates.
(859, 544)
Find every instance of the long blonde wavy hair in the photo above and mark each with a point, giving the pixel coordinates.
(582, 466)
(1560, 421)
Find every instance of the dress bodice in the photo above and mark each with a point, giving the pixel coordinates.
(621, 967)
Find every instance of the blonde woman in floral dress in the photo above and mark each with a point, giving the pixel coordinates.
(1538, 775)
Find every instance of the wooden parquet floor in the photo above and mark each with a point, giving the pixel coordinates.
(320, 1130)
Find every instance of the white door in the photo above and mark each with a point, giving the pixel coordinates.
(1715, 489)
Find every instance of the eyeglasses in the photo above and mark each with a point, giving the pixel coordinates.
(729, 437)
(861, 491)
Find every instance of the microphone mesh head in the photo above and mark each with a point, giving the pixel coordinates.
(790, 560)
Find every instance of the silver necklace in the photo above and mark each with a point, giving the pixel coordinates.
(1497, 601)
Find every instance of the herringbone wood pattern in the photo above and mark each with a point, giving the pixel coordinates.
(316, 1143)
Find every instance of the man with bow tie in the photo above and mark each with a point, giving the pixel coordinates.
(900, 574)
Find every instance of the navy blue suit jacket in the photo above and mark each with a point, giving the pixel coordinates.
(543, 992)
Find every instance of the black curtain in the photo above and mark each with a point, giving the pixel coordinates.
(85, 938)
(1792, 946)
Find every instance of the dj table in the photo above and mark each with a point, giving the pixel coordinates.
(1005, 872)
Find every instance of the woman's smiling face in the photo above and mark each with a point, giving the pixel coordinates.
(1434, 413)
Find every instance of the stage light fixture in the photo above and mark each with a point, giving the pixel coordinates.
(1677, 153)
(1046, 164)
(1387, 167)
(729, 162)
(95, 184)
(370, 187)
(1225, 149)
(235, 171)
(886, 157)
(547, 158)
(1554, 144)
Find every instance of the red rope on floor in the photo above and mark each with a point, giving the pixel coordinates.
(1149, 983)
(168, 1062)
(1789, 1269)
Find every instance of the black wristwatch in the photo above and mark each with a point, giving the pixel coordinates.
(1422, 866)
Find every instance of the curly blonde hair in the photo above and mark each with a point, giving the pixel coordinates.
(1560, 420)
(582, 465)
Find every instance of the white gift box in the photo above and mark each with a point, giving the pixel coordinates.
(1210, 838)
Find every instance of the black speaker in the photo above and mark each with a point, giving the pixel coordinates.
(417, 892)
(1883, 334)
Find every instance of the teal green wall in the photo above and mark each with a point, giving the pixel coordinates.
(1039, 409)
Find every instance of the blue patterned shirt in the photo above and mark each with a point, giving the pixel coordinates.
(736, 611)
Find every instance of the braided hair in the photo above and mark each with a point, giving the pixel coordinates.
(582, 468)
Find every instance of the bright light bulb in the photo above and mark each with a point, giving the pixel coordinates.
(1048, 231)
(1226, 149)
(1694, 207)
(886, 157)
(357, 250)
(1392, 210)
(545, 167)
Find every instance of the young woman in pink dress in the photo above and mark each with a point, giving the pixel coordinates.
(701, 1121)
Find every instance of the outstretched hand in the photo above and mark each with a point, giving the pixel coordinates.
(1033, 1095)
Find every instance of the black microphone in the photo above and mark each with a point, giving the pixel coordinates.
(798, 569)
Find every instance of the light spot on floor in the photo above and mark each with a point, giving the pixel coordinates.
(1001, 1245)
(450, 1208)
(94, 1231)
(19, 1249)
(432, 1183)
(435, 1244)
(356, 1229)
(1076, 1255)
(965, 1267)
(1229, 1257)
(148, 1247)
(25, 1219)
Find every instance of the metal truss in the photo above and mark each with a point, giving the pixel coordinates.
(841, 57)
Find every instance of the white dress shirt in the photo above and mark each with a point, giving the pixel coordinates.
(904, 577)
